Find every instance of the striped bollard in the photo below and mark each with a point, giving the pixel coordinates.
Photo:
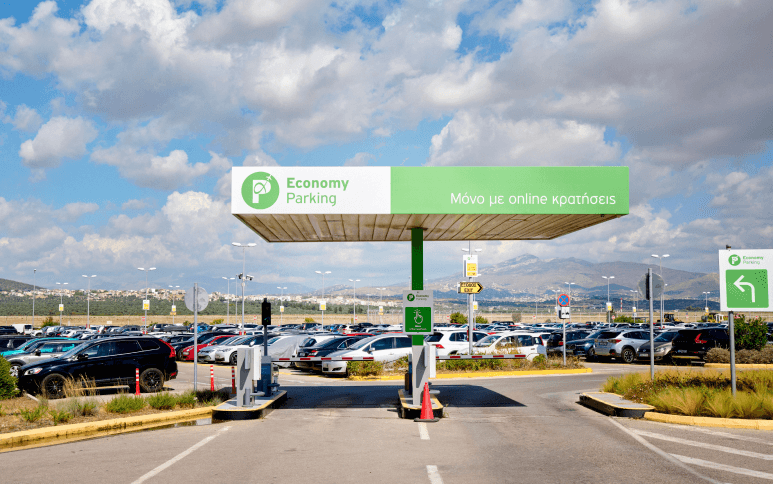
(233, 380)
(212, 377)
(137, 381)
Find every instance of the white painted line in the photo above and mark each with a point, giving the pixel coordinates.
(179, 457)
(726, 435)
(665, 455)
(423, 432)
(720, 448)
(723, 467)
(434, 475)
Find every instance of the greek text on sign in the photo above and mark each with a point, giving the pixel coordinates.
(744, 280)
(470, 287)
(417, 312)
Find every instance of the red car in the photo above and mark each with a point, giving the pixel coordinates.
(187, 353)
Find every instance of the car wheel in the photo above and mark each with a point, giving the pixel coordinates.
(590, 355)
(232, 359)
(628, 355)
(15, 370)
(151, 380)
(52, 386)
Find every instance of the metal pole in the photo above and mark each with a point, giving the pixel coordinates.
(195, 334)
(323, 300)
(227, 302)
(652, 328)
(244, 278)
(731, 330)
(34, 289)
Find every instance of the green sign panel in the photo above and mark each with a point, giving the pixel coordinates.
(417, 312)
(744, 280)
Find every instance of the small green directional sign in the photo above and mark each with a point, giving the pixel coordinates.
(744, 280)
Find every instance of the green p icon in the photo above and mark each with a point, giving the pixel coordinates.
(746, 288)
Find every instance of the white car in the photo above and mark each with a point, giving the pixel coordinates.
(528, 344)
(227, 354)
(452, 342)
(384, 347)
(207, 353)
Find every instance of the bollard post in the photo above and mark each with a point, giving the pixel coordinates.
(137, 381)
(212, 377)
(233, 380)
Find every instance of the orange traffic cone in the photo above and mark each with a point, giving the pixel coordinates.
(426, 407)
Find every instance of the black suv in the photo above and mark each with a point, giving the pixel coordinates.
(106, 362)
(695, 343)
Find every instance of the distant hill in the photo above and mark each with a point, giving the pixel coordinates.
(8, 285)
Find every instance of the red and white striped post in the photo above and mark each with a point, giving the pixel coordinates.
(233, 380)
(212, 377)
(137, 381)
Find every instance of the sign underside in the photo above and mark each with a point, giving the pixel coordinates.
(397, 228)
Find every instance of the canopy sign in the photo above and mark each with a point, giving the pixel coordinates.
(744, 280)
(299, 204)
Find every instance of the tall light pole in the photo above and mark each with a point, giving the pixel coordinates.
(146, 289)
(61, 302)
(380, 303)
(661, 257)
(243, 275)
(281, 298)
(34, 290)
(369, 307)
(635, 293)
(323, 296)
(354, 300)
(707, 304)
(174, 313)
(227, 295)
(88, 301)
(470, 299)
(609, 312)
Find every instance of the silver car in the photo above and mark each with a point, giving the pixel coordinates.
(45, 351)
(622, 344)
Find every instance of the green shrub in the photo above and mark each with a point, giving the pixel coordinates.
(365, 368)
(517, 317)
(208, 398)
(186, 400)
(217, 321)
(34, 414)
(162, 401)
(399, 365)
(539, 360)
(82, 408)
(718, 355)
(471, 365)
(125, 404)
(480, 320)
(458, 318)
(48, 322)
(721, 355)
(59, 416)
(750, 335)
(308, 320)
(7, 382)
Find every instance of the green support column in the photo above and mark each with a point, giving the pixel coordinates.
(417, 269)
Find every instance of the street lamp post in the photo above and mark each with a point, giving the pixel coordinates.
(61, 302)
(281, 298)
(660, 258)
(380, 303)
(635, 293)
(609, 312)
(707, 303)
(354, 300)
(88, 301)
(146, 289)
(243, 276)
(174, 313)
(227, 295)
(470, 299)
(323, 296)
(34, 290)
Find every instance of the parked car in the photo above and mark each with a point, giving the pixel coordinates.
(30, 346)
(695, 343)
(324, 348)
(107, 362)
(228, 353)
(384, 347)
(452, 342)
(188, 353)
(584, 347)
(11, 342)
(622, 344)
(554, 344)
(663, 347)
(207, 354)
(526, 344)
(45, 351)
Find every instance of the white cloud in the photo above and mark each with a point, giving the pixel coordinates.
(73, 211)
(59, 138)
(26, 119)
(135, 204)
(360, 159)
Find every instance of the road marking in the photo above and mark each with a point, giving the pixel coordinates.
(665, 455)
(434, 475)
(423, 432)
(717, 433)
(723, 467)
(720, 448)
(179, 457)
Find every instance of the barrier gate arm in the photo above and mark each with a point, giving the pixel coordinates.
(370, 358)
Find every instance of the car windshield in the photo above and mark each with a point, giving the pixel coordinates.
(488, 340)
(75, 350)
(667, 336)
(360, 344)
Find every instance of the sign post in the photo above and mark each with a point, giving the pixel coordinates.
(563, 313)
(196, 300)
(744, 285)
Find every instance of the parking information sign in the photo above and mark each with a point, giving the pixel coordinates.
(744, 280)
(417, 312)
(145, 304)
(470, 265)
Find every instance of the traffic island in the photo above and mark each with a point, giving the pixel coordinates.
(408, 410)
(228, 411)
(614, 405)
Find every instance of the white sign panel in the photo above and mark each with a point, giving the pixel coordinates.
(312, 190)
(470, 263)
(417, 312)
(744, 280)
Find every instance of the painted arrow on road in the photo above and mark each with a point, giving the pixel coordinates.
(738, 284)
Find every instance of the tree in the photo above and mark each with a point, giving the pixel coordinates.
(480, 320)
(7, 382)
(517, 317)
(750, 335)
(458, 318)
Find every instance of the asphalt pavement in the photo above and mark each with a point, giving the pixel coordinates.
(510, 429)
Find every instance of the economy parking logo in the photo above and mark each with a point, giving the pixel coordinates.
(260, 190)
(734, 260)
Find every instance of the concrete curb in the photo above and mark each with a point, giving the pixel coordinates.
(113, 426)
(741, 366)
(479, 374)
(615, 405)
(729, 423)
(229, 411)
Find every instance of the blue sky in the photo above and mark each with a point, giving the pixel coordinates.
(121, 120)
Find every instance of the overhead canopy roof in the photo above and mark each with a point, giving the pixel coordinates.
(343, 204)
